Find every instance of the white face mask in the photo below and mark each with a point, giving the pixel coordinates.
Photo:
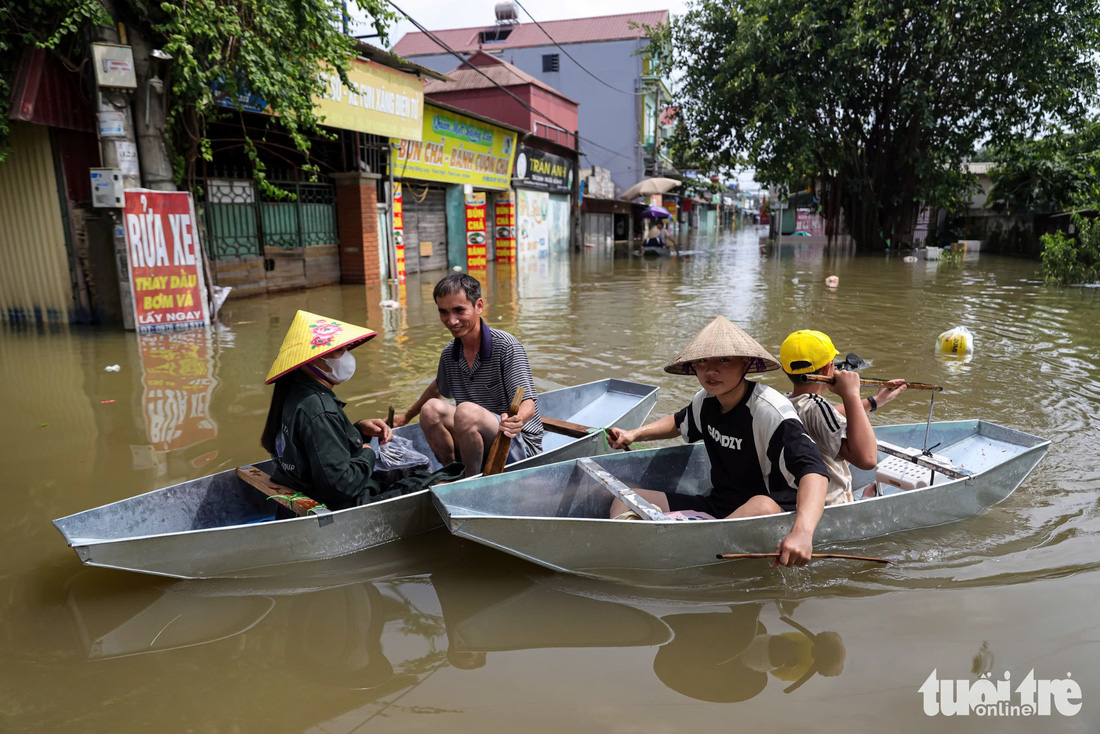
(336, 369)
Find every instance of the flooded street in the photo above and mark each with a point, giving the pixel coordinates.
(436, 634)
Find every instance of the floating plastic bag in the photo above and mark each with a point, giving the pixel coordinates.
(955, 342)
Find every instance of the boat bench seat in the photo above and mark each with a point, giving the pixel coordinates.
(295, 501)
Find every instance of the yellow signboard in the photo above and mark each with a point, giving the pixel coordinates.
(457, 149)
(381, 100)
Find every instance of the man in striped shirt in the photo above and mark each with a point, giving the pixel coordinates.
(480, 370)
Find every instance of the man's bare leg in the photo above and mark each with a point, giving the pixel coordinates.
(437, 421)
(474, 431)
(756, 506)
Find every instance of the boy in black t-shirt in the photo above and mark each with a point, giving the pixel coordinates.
(762, 461)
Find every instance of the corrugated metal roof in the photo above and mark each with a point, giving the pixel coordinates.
(575, 30)
(498, 70)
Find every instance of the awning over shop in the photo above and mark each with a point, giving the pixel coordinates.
(609, 206)
(46, 93)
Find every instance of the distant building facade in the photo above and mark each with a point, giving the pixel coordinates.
(545, 161)
(621, 103)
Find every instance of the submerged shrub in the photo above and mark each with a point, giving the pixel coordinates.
(1072, 259)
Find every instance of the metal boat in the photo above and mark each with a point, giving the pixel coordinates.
(557, 516)
(219, 526)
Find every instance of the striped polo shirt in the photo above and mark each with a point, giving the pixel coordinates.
(499, 368)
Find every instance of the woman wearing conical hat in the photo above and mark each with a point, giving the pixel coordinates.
(317, 450)
(762, 462)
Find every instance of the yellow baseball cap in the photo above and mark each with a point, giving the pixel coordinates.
(806, 351)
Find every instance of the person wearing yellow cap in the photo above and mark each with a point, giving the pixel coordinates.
(842, 432)
(317, 450)
(762, 462)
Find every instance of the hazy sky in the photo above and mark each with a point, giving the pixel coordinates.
(439, 14)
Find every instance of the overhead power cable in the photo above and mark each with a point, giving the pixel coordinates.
(582, 66)
(495, 83)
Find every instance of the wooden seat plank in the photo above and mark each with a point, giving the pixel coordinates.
(261, 480)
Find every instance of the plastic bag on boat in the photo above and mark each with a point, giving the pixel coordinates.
(955, 342)
(397, 459)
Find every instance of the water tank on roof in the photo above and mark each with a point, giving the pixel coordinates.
(506, 13)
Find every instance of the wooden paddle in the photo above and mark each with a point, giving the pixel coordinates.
(871, 381)
(498, 452)
(389, 418)
(812, 555)
(573, 430)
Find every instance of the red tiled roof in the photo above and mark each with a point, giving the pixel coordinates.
(576, 30)
(498, 70)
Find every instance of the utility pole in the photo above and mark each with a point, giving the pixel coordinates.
(575, 195)
(118, 149)
(149, 116)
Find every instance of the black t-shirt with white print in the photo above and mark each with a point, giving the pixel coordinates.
(757, 447)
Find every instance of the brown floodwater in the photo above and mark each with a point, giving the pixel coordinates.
(434, 634)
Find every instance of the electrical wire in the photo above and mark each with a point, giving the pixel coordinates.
(504, 89)
(582, 66)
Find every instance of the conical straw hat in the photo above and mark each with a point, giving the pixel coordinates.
(311, 336)
(722, 338)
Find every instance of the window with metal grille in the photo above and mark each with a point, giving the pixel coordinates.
(549, 62)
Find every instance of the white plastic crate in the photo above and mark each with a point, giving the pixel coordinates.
(894, 473)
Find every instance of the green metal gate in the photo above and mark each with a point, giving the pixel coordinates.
(242, 221)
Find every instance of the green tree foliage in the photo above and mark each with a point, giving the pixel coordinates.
(1068, 260)
(879, 101)
(271, 49)
(1057, 172)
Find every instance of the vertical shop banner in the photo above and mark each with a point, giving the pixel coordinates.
(476, 236)
(177, 379)
(505, 227)
(399, 232)
(165, 261)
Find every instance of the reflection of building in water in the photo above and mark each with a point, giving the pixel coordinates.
(542, 276)
(727, 657)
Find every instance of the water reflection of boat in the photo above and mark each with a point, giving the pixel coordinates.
(486, 612)
(718, 653)
(115, 623)
(120, 616)
(220, 526)
(556, 516)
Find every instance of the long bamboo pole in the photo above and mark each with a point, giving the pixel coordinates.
(871, 381)
(812, 555)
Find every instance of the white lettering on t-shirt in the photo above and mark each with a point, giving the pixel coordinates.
(726, 442)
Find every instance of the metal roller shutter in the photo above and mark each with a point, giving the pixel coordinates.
(433, 228)
(425, 221)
